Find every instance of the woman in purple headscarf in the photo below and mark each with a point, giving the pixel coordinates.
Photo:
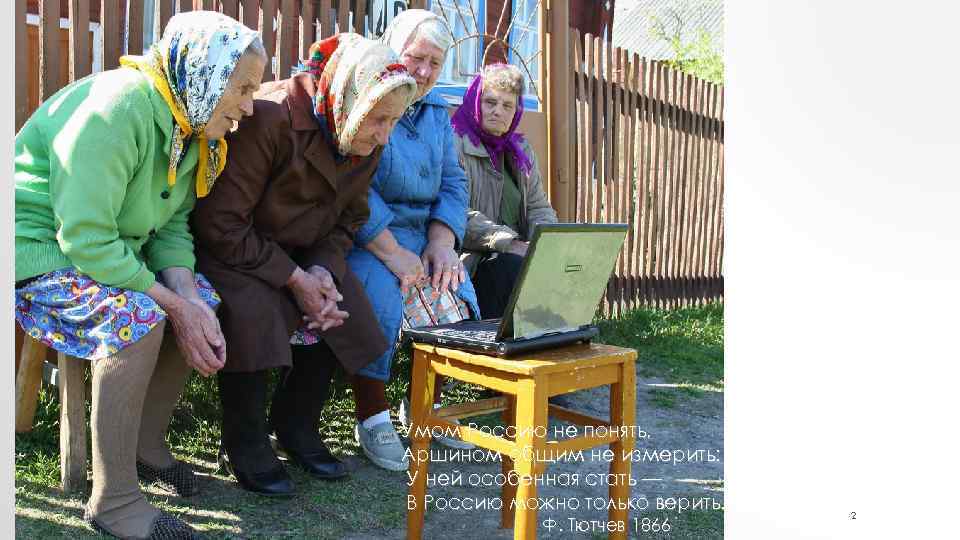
(506, 191)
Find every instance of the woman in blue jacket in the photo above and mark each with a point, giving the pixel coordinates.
(418, 208)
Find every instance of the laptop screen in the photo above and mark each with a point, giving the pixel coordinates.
(564, 277)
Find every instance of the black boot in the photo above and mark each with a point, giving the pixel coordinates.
(297, 405)
(245, 448)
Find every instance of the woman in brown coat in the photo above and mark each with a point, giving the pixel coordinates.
(272, 239)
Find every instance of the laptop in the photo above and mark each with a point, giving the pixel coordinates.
(554, 299)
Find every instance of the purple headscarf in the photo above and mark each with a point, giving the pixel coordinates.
(468, 121)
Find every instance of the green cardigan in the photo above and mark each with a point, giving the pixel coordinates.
(90, 169)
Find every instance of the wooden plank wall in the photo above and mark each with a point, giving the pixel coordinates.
(648, 151)
(287, 27)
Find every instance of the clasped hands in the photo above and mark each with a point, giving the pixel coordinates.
(317, 295)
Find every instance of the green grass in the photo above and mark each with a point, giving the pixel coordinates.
(683, 348)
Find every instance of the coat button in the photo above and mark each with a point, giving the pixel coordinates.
(412, 136)
(424, 172)
(164, 194)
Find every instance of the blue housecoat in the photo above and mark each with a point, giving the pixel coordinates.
(419, 179)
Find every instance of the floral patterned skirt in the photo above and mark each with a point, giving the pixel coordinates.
(70, 312)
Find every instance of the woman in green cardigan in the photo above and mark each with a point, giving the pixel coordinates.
(107, 171)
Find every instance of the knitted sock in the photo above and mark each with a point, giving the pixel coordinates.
(119, 387)
(370, 395)
(169, 376)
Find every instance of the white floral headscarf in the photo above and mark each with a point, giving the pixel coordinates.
(190, 67)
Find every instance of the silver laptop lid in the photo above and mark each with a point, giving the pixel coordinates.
(563, 278)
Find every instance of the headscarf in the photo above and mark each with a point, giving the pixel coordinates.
(404, 25)
(351, 74)
(468, 120)
(190, 67)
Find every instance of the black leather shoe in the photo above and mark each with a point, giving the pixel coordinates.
(319, 463)
(273, 483)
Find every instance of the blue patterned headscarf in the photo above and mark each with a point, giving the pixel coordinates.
(190, 67)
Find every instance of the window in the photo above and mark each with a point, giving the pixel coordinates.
(525, 40)
(465, 18)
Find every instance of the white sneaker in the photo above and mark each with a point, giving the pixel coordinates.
(449, 442)
(382, 445)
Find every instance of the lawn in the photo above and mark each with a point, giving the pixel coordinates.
(684, 348)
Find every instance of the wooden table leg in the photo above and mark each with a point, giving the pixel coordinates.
(508, 492)
(29, 373)
(73, 424)
(623, 409)
(531, 443)
(421, 405)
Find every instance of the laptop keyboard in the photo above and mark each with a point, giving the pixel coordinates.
(488, 336)
(474, 330)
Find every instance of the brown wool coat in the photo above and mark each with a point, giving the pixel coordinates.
(282, 201)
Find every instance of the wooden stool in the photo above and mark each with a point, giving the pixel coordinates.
(528, 380)
(73, 419)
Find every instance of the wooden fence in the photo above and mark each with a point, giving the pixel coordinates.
(645, 141)
(648, 147)
(287, 28)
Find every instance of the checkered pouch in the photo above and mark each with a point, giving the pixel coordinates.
(424, 306)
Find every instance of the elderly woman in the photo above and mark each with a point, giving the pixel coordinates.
(107, 171)
(418, 205)
(272, 239)
(506, 191)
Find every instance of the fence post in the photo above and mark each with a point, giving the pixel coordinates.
(49, 39)
(556, 44)
(20, 63)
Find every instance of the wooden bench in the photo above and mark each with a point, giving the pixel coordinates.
(73, 414)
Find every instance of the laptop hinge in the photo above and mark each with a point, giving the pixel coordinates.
(549, 332)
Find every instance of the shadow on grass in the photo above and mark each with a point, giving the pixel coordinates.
(682, 347)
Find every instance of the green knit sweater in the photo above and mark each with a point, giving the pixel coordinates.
(90, 169)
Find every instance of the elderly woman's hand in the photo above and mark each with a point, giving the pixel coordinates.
(198, 334)
(443, 266)
(441, 260)
(405, 265)
(518, 247)
(317, 296)
(195, 325)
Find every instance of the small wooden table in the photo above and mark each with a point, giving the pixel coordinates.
(527, 381)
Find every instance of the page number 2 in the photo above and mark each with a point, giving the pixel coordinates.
(852, 515)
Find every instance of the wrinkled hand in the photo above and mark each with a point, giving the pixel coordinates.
(406, 266)
(317, 296)
(518, 247)
(333, 315)
(198, 335)
(444, 266)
